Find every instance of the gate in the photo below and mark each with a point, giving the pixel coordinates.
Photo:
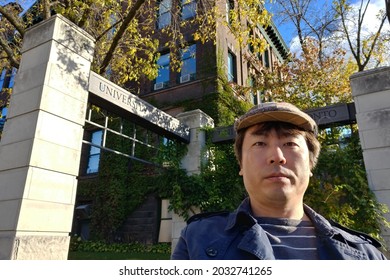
(134, 112)
(41, 146)
(119, 122)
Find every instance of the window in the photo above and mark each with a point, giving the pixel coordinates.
(111, 33)
(163, 72)
(7, 78)
(250, 45)
(266, 59)
(232, 67)
(229, 7)
(164, 13)
(188, 69)
(4, 112)
(94, 152)
(254, 95)
(3, 116)
(2, 78)
(188, 9)
(12, 78)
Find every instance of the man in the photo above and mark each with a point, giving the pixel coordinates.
(277, 148)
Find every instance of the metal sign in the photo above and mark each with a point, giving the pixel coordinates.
(333, 114)
(112, 97)
(340, 114)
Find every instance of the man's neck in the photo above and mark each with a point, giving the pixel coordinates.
(295, 212)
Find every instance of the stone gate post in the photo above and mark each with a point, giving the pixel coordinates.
(41, 143)
(196, 120)
(371, 93)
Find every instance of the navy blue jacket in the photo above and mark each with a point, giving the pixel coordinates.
(238, 236)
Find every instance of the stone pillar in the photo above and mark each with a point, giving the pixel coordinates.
(41, 144)
(371, 93)
(196, 120)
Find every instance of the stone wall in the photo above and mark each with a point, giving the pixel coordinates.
(371, 94)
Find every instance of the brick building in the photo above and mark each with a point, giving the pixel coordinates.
(202, 63)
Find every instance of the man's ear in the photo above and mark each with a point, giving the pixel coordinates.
(240, 172)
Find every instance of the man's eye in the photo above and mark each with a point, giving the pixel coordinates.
(291, 144)
(259, 143)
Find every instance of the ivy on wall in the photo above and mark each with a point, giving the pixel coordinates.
(339, 188)
(123, 183)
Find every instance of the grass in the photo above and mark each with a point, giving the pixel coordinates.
(117, 256)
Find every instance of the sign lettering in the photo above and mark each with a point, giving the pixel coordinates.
(154, 117)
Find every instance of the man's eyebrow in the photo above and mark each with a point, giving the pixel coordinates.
(261, 132)
(280, 133)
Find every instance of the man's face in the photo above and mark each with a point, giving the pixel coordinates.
(275, 169)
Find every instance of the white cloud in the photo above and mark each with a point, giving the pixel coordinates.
(295, 46)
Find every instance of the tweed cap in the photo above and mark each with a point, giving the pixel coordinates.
(276, 112)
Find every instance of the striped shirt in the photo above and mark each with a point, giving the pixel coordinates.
(291, 239)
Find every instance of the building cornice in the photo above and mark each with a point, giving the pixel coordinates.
(274, 38)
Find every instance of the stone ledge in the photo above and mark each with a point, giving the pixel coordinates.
(369, 81)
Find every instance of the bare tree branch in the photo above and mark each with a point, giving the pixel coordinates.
(342, 13)
(376, 37)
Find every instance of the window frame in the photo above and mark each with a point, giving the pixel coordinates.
(188, 55)
(229, 7)
(94, 145)
(2, 78)
(231, 67)
(188, 5)
(164, 16)
(163, 67)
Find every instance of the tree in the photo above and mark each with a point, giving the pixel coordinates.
(126, 42)
(307, 80)
(388, 9)
(339, 189)
(366, 46)
(339, 23)
(8, 23)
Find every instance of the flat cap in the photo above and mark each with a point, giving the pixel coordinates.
(276, 112)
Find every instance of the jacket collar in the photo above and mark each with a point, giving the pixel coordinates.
(243, 220)
(242, 217)
(321, 224)
(254, 240)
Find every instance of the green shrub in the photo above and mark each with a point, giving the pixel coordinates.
(77, 245)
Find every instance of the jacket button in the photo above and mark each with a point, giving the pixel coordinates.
(211, 252)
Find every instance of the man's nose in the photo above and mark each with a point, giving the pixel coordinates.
(276, 156)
